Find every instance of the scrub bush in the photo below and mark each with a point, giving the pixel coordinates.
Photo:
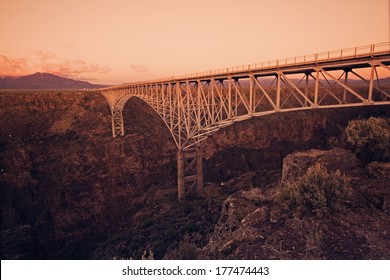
(318, 191)
(369, 139)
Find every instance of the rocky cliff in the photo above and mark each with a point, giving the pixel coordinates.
(64, 180)
(69, 190)
(258, 224)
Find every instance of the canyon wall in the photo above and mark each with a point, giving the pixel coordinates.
(65, 183)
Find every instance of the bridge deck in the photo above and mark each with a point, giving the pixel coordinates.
(332, 60)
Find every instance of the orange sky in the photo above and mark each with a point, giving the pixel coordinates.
(117, 41)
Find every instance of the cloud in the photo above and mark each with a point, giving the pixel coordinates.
(139, 68)
(12, 67)
(44, 61)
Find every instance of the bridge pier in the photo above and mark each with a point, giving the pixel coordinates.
(118, 127)
(181, 190)
(189, 172)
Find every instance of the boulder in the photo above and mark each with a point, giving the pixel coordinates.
(296, 164)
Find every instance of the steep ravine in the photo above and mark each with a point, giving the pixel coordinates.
(65, 181)
(69, 190)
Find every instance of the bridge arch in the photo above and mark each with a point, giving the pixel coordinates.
(117, 108)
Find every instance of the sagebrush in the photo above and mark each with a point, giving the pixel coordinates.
(318, 191)
(369, 138)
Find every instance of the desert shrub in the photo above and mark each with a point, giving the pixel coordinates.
(369, 139)
(318, 191)
(186, 251)
(190, 227)
(148, 222)
(147, 255)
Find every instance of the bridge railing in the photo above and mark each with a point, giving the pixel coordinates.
(350, 53)
(343, 54)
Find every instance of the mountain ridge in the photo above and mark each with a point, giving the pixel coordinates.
(41, 80)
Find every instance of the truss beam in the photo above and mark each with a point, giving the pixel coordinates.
(193, 107)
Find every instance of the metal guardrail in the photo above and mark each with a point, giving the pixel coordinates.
(343, 54)
(337, 55)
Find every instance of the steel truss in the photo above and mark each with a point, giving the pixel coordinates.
(194, 107)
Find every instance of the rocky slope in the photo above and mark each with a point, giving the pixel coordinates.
(69, 190)
(258, 224)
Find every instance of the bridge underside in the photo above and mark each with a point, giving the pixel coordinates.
(196, 106)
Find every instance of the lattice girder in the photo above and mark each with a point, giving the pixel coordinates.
(193, 107)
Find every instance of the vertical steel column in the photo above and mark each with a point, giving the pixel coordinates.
(181, 191)
(278, 91)
(251, 107)
(199, 171)
(113, 123)
(317, 83)
(306, 87)
(188, 95)
(171, 105)
(122, 126)
(370, 90)
(213, 117)
(346, 83)
(179, 115)
(230, 98)
(198, 100)
(163, 101)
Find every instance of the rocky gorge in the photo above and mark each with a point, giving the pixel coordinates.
(71, 191)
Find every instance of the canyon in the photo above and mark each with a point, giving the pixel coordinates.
(71, 191)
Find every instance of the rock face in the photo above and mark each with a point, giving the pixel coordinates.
(258, 224)
(65, 178)
(66, 185)
(263, 143)
(296, 164)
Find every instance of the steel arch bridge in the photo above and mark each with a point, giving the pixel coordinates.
(195, 106)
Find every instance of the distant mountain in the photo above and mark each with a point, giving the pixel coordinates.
(4, 81)
(44, 81)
